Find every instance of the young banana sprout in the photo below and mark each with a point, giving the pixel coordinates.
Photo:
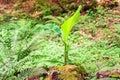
(66, 28)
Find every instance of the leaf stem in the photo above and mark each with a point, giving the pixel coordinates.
(65, 53)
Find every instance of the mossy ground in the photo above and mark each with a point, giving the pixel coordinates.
(67, 72)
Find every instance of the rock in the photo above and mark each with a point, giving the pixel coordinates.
(67, 72)
(37, 73)
(113, 73)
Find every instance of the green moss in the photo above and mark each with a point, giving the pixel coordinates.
(68, 72)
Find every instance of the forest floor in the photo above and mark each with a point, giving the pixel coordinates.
(94, 42)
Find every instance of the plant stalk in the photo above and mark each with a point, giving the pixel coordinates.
(65, 53)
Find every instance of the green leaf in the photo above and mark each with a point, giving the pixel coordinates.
(69, 23)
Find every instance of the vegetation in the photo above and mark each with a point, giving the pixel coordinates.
(66, 28)
(29, 43)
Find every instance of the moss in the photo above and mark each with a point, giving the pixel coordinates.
(68, 72)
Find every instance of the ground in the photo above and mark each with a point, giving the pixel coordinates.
(27, 43)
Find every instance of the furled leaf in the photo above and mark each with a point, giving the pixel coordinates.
(69, 23)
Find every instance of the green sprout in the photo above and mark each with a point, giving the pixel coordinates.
(66, 28)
